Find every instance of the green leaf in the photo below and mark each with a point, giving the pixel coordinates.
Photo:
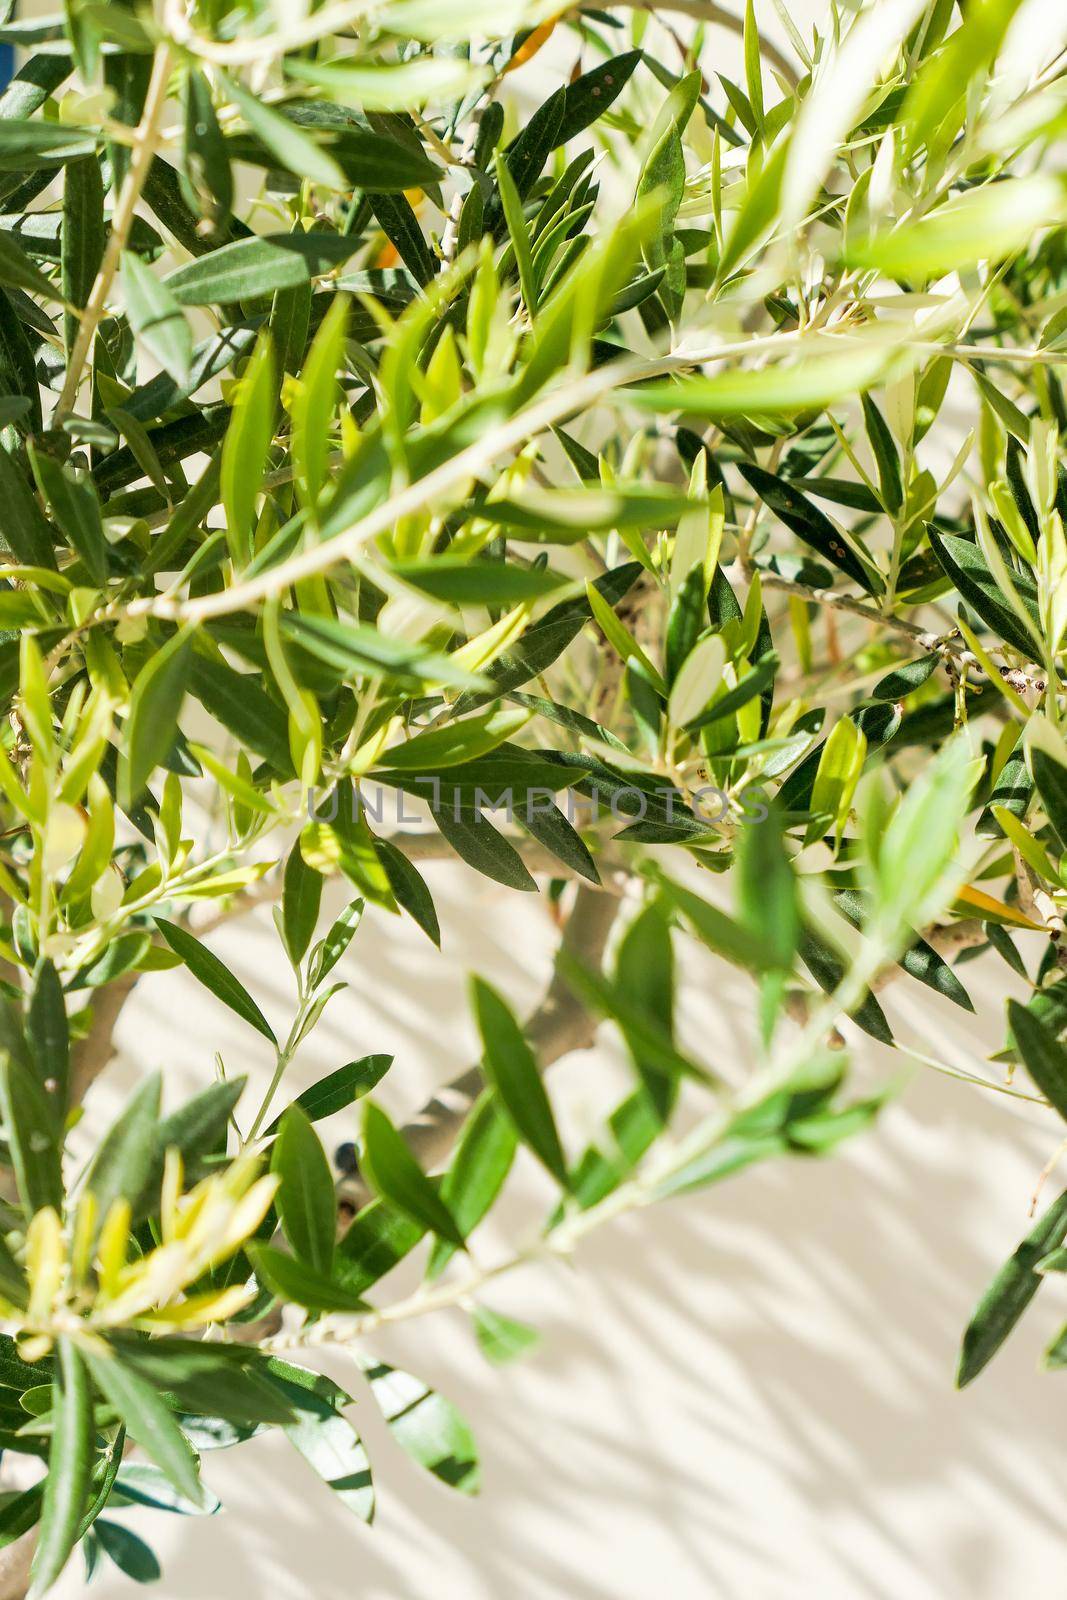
(66, 1487)
(530, 149)
(904, 680)
(501, 1339)
(297, 1283)
(921, 961)
(459, 583)
(245, 449)
(1043, 1056)
(238, 701)
(305, 1198)
(426, 1426)
(644, 972)
(249, 268)
(355, 650)
(477, 842)
(48, 1033)
(139, 1483)
(915, 862)
(26, 532)
(985, 224)
(128, 1551)
(12, 1282)
(49, 143)
(804, 385)
(715, 928)
(340, 1089)
(76, 508)
(588, 97)
(315, 401)
(336, 942)
(301, 898)
(210, 971)
(156, 317)
(767, 891)
(546, 638)
(517, 232)
(1010, 1293)
(840, 766)
(662, 183)
(511, 1068)
(409, 889)
(433, 748)
(149, 1422)
(379, 1237)
(809, 524)
(754, 683)
(697, 679)
(17, 270)
(550, 827)
(124, 1162)
(206, 173)
(397, 220)
(647, 1038)
(328, 1442)
(480, 1163)
(1050, 780)
(291, 147)
(84, 236)
(885, 455)
(393, 1173)
(753, 65)
(212, 1379)
(32, 1137)
(198, 1127)
(759, 211)
(18, 370)
(828, 969)
(389, 85)
(152, 721)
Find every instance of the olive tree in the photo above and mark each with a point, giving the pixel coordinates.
(490, 432)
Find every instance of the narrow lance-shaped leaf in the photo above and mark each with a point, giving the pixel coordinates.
(300, 1284)
(1010, 1293)
(84, 236)
(290, 145)
(480, 1163)
(124, 1161)
(244, 452)
(152, 720)
(76, 508)
(215, 975)
(32, 1136)
(1043, 1056)
(809, 524)
(426, 1425)
(305, 1196)
(512, 1069)
(394, 1173)
(340, 1089)
(156, 317)
(327, 1440)
(301, 897)
(70, 1456)
(149, 1421)
(48, 1032)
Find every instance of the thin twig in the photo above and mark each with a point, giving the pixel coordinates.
(947, 645)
